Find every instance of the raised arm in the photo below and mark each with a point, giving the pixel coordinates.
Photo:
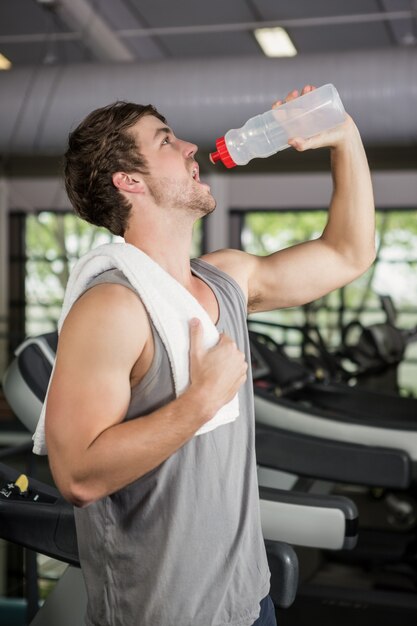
(92, 451)
(346, 248)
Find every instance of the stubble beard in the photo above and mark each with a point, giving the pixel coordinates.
(170, 193)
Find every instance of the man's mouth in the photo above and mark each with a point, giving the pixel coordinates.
(195, 173)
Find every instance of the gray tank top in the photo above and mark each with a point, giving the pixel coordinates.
(181, 546)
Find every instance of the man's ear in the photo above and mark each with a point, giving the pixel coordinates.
(128, 182)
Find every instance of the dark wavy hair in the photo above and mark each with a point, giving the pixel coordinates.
(100, 146)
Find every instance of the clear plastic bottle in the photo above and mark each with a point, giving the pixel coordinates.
(268, 133)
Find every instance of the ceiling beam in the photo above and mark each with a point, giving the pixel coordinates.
(104, 43)
(307, 22)
(375, 87)
(404, 32)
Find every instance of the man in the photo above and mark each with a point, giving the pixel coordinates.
(167, 522)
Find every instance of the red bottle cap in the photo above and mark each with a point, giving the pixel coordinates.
(222, 154)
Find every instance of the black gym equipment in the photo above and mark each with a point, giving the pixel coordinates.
(338, 434)
(367, 356)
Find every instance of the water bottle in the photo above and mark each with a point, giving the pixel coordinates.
(266, 134)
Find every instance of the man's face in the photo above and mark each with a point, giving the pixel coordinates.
(173, 178)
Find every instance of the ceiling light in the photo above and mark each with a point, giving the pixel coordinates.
(5, 64)
(275, 42)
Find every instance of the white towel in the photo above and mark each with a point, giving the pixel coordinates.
(169, 305)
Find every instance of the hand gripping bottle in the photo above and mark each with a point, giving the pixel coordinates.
(266, 134)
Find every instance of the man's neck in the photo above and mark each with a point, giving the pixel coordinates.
(169, 249)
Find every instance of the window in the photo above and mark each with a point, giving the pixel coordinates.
(43, 249)
(54, 242)
(394, 274)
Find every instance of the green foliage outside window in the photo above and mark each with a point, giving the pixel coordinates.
(394, 273)
(54, 242)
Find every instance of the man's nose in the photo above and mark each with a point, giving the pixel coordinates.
(190, 149)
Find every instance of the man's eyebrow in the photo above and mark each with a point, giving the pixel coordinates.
(162, 130)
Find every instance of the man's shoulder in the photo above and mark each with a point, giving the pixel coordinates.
(106, 329)
(235, 263)
(108, 307)
(227, 259)
(117, 295)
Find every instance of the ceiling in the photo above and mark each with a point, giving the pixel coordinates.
(39, 32)
(59, 31)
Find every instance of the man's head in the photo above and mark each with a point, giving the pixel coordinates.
(100, 146)
(170, 190)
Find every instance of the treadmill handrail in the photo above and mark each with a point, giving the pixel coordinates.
(332, 460)
(42, 345)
